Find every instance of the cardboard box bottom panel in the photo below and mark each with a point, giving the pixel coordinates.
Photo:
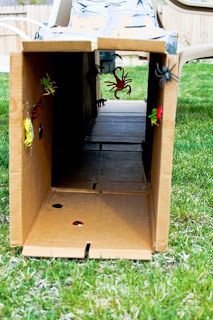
(73, 224)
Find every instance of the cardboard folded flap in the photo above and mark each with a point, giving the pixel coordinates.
(123, 44)
(60, 46)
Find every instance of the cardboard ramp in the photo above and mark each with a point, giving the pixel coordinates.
(92, 224)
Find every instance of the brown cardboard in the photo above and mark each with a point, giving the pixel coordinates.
(125, 214)
(116, 226)
(59, 46)
(16, 146)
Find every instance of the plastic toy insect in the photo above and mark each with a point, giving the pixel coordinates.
(120, 84)
(156, 115)
(165, 73)
(48, 86)
(99, 69)
(117, 55)
(29, 132)
(35, 111)
(101, 102)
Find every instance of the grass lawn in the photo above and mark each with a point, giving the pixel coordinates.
(174, 285)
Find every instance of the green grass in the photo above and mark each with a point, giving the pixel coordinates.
(174, 285)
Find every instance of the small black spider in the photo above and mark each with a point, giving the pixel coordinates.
(99, 69)
(165, 74)
(101, 102)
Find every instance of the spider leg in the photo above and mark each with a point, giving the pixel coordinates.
(172, 67)
(130, 89)
(127, 82)
(112, 88)
(162, 82)
(175, 77)
(126, 75)
(109, 82)
(115, 94)
(158, 68)
(158, 75)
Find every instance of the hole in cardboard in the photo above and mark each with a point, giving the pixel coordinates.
(57, 205)
(78, 223)
(94, 185)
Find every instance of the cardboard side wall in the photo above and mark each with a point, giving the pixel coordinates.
(30, 168)
(162, 157)
(37, 160)
(154, 96)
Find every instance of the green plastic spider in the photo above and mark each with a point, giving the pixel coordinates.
(48, 86)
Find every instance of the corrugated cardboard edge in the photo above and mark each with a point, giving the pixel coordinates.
(53, 252)
(131, 45)
(165, 137)
(16, 149)
(59, 46)
(120, 254)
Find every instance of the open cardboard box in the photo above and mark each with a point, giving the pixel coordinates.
(77, 197)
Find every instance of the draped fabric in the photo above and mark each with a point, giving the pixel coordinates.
(134, 8)
(133, 19)
(104, 5)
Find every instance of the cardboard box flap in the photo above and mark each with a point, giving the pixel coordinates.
(60, 46)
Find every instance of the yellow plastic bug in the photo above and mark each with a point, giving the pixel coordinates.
(29, 132)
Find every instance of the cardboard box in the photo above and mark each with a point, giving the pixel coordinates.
(71, 197)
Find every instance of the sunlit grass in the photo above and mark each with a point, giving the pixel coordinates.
(174, 285)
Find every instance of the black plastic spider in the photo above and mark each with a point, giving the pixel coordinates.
(165, 74)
